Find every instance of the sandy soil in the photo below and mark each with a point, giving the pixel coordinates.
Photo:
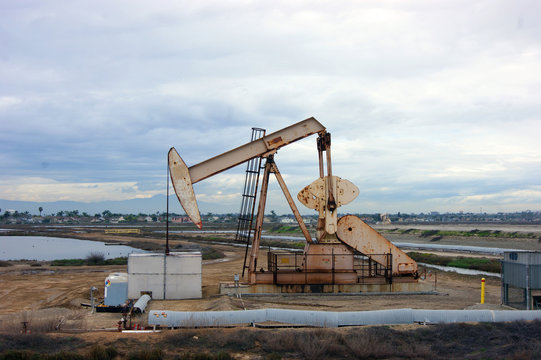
(34, 290)
(27, 289)
(54, 294)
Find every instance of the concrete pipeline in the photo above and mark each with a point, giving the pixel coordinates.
(179, 319)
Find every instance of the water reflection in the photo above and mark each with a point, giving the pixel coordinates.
(52, 248)
(460, 270)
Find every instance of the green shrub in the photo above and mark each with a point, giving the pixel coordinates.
(123, 260)
(95, 258)
(483, 264)
(68, 262)
(428, 233)
(210, 253)
(286, 229)
(484, 233)
(407, 231)
(82, 262)
(477, 263)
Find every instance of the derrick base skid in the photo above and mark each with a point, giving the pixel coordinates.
(403, 286)
(326, 268)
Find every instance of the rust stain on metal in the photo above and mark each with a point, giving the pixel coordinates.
(275, 141)
(360, 236)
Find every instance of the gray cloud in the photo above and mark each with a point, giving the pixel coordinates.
(430, 104)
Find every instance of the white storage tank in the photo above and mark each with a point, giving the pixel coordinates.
(175, 276)
(116, 289)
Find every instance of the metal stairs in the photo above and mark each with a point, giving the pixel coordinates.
(249, 195)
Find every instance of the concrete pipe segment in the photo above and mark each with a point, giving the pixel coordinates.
(178, 319)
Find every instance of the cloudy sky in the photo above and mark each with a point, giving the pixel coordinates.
(432, 105)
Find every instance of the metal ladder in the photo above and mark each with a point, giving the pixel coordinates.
(249, 195)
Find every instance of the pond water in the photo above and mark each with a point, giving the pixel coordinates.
(402, 245)
(460, 270)
(459, 248)
(53, 248)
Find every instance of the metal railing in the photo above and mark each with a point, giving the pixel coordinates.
(364, 266)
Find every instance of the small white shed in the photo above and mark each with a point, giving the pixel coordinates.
(171, 277)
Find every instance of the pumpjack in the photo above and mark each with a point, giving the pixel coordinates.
(344, 251)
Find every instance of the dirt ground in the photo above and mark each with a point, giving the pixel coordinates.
(26, 289)
(52, 296)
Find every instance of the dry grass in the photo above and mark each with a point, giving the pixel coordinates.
(518, 340)
(98, 352)
(146, 354)
(43, 321)
(39, 343)
(316, 344)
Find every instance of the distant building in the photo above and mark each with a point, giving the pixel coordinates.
(179, 219)
(385, 219)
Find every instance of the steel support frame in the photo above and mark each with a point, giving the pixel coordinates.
(270, 167)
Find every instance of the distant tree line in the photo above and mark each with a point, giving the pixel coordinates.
(399, 217)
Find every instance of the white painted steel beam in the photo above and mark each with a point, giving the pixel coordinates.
(267, 144)
(183, 177)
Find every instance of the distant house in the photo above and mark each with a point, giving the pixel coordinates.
(288, 220)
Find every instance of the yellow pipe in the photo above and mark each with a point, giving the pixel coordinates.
(482, 290)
